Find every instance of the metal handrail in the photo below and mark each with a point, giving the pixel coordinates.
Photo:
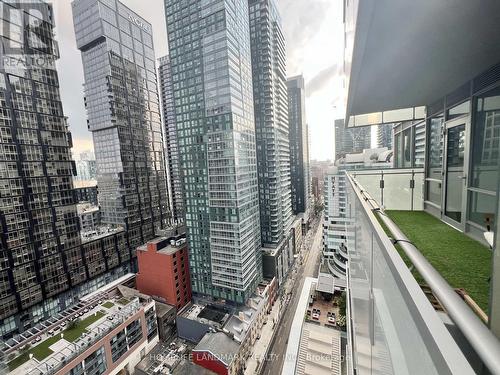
(484, 342)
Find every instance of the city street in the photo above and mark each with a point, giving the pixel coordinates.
(309, 267)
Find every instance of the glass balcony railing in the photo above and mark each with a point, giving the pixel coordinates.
(394, 189)
(392, 326)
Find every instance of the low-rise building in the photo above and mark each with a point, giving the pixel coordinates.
(107, 332)
(218, 352)
(268, 288)
(164, 270)
(226, 351)
(275, 262)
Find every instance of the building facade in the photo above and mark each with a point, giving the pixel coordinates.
(271, 121)
(123, 114)
(40, 243)
(86, 170)
(89, 216)
(350, 141)
(163, 271)
(384, 135)
(212, 79)
(336, 224)
(299, 145)
(86, 192)
(174, 178)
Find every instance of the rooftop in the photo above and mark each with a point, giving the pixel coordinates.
(220, 345)
(100, 232)
(239, 323)
(164, 245)
(86, 208)
(78, 184)
(59, 339)
(206, 314)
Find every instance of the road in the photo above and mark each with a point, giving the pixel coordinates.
(276, 354)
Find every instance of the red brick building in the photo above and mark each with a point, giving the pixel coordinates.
(164, 271)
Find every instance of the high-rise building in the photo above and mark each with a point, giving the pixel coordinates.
(174, 179)
(350, 140)
(384, 135)
(123, 113)
(209, 45)
(271, 121)
(40, 244)
(86, 170)
(299, 145)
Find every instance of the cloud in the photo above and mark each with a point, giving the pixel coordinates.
(301, 21)
(321, 79)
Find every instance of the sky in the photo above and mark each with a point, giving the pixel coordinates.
(313, 33)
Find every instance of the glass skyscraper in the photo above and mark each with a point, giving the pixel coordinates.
(209, 45)
(271, 120)
(351, 140)
(40, 244)
(174, 179)
(123, 112)
(299, 145)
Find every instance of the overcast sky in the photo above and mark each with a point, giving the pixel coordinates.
(313, 32)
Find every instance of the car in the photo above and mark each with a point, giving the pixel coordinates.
(51, 332)
(64, 324)
(86, 310)
(38, 338)
(331, 319)
(315, 316)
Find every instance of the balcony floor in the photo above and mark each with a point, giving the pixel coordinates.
(462, 261)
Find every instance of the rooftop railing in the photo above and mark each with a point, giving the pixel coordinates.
(393, 328)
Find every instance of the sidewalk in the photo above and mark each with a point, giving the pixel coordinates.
(261, 346)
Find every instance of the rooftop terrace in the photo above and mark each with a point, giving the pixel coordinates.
(66, 336)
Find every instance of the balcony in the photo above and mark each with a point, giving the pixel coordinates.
(391, 318)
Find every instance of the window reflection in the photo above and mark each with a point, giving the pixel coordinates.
(486, 138)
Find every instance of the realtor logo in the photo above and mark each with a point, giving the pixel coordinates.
(26, 28)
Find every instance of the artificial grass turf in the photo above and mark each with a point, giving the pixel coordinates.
(462, 261)
(123, 301)
(108, 304)
(72, 334)
(42, 350)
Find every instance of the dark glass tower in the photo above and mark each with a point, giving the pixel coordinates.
(299, 145)
(40, 244)
(123, 112)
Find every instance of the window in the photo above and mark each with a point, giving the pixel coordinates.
(485, 154)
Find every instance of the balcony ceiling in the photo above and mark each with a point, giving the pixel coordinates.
(411, 53)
